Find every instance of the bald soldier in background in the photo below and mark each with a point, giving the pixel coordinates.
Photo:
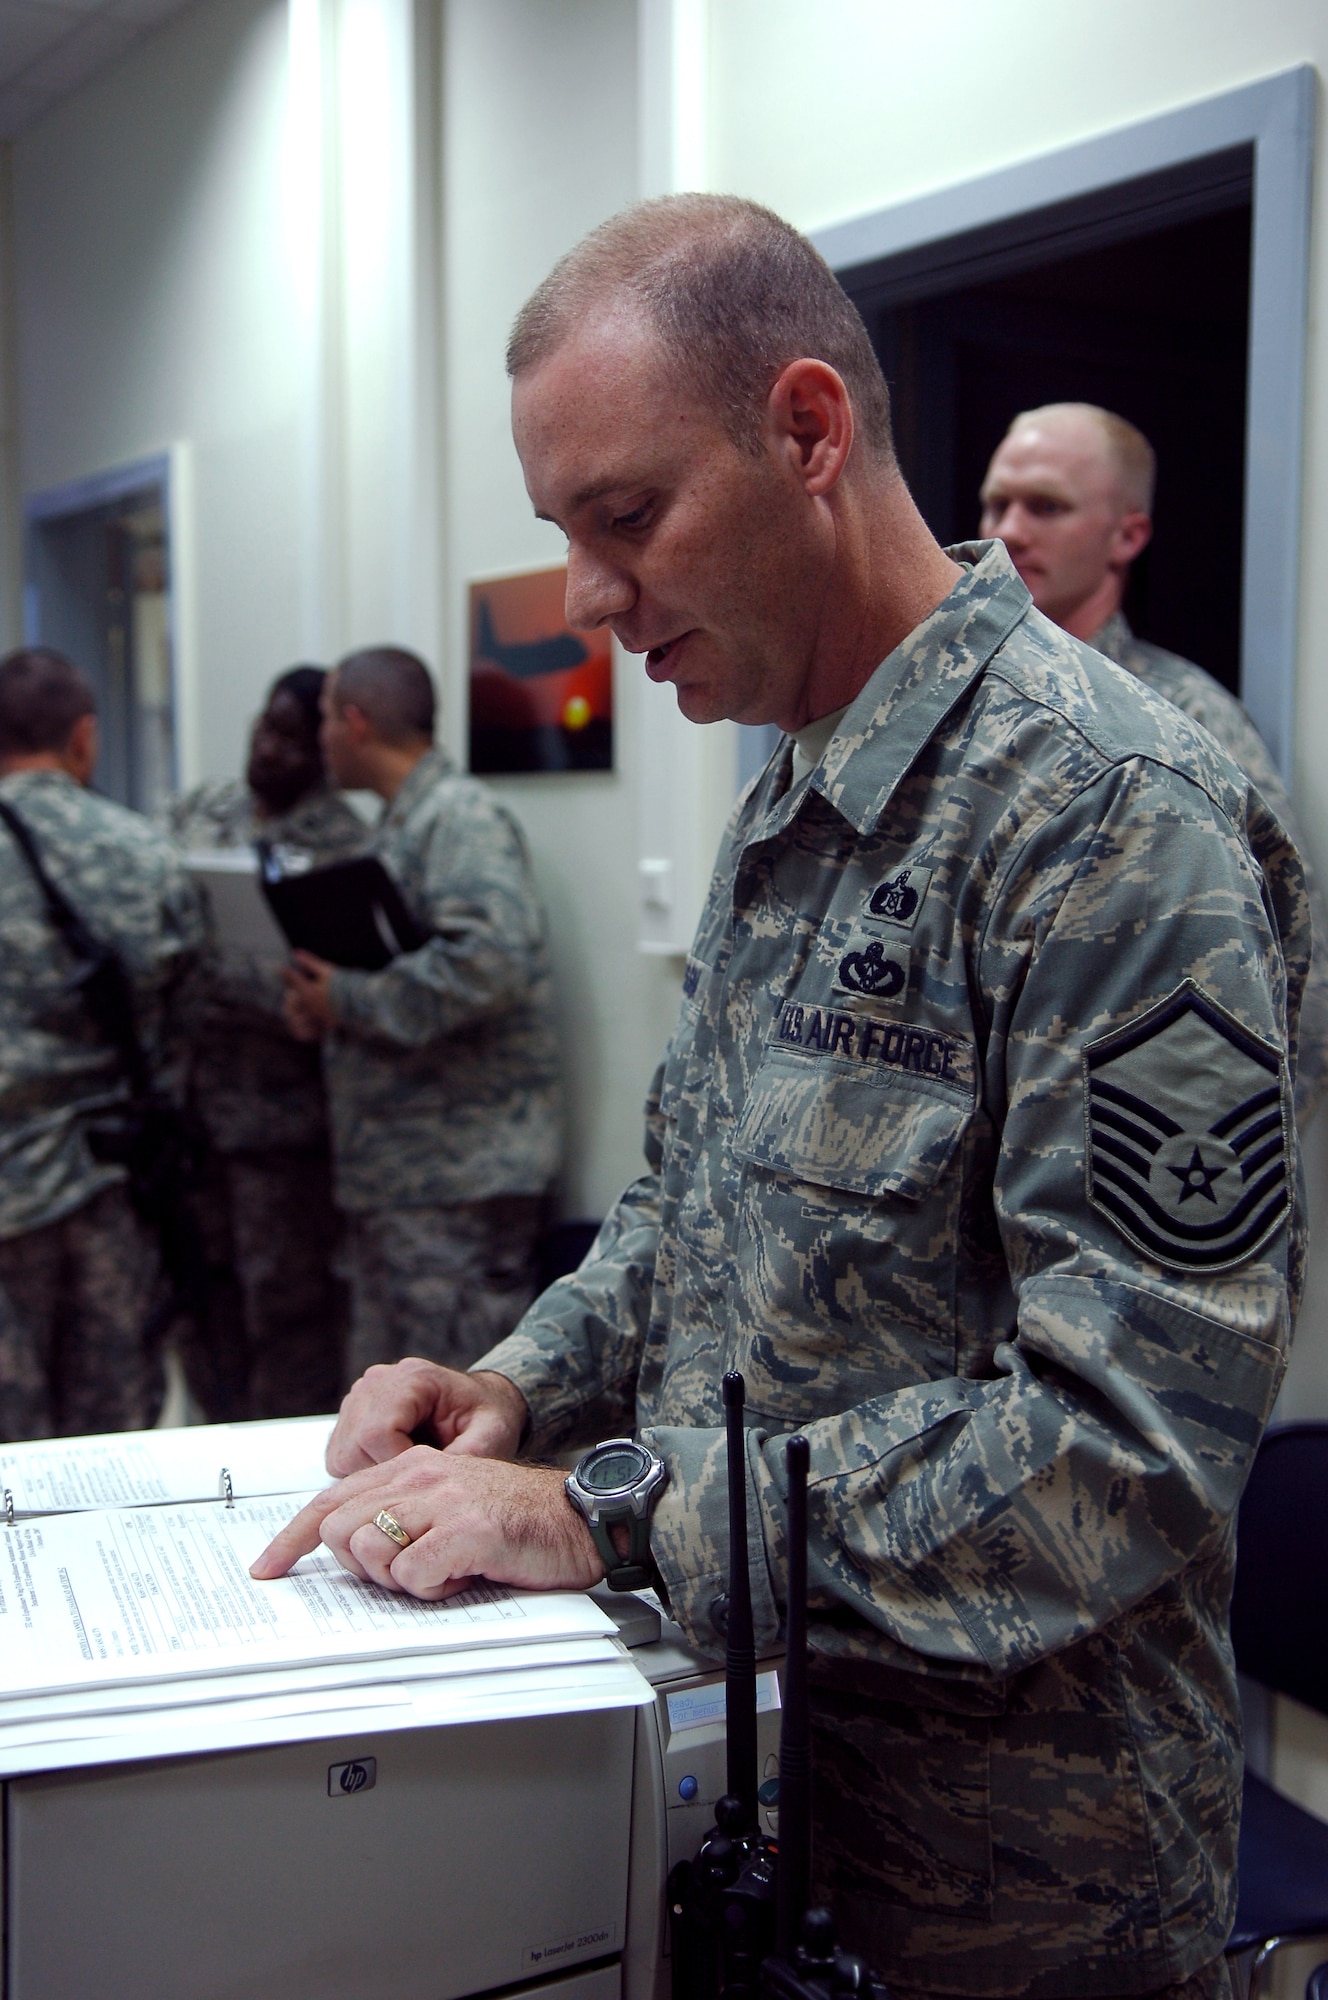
(270, 1339)
(442, 1069)
(972, 1149)
(1070, 493)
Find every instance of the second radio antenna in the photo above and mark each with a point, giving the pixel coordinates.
(740, 1644)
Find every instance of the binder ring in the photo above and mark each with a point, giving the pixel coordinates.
(392, 1528)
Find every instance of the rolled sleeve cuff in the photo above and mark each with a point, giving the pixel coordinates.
(689, 1537)
(350, 995)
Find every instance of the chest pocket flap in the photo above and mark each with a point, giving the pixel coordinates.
(868, 1130)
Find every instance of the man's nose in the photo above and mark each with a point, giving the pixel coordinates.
(596, 590)
(1010, 523)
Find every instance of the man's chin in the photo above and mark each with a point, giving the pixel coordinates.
(699, 703)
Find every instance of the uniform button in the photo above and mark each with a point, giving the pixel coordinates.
(688, 1789)
(719, 1615)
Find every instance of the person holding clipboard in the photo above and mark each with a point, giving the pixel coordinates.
(441, 1064)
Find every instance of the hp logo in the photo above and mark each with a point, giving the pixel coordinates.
(360, 1775)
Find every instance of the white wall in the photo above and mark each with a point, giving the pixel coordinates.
(154, 305)
(540, 143)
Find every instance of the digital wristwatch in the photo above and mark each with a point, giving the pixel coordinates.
(619, 1481)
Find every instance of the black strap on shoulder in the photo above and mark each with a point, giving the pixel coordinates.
(103, 980)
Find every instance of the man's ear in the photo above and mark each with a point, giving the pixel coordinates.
(356, 723)
(810, 419)
(79, 756)
(1132, 535)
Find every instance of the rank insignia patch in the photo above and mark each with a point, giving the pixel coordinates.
(1188, 1150)
(900, 897)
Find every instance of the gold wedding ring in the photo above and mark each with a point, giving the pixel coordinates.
(392, 1528)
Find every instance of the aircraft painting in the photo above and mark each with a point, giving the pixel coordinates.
(541, 695)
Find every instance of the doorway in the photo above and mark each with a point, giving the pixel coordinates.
(98, 588)
(1153, 325)
(1178, 246)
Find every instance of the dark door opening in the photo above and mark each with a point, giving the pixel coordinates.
(1136, 298)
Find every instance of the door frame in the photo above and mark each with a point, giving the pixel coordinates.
(1274, 116)
(168, 470)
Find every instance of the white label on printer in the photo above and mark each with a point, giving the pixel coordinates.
(690, 1708)
(588, 1943)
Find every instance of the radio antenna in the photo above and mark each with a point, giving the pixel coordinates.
(793, 1877)
(740, 1647)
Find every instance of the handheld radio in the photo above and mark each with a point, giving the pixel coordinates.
(807, 1963)
(721, 1905)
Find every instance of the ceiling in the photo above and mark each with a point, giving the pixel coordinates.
(49, 47)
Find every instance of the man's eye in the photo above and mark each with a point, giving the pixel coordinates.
(1046, 508)
(635, 519)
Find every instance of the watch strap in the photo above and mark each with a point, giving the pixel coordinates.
(635, 1571)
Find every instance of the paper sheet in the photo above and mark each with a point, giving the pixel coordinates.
(335, 1682)
(553, 1688)
(241, 919)
(146, 1468)
(158, 1593)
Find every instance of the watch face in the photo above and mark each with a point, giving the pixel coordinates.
(614, 1470)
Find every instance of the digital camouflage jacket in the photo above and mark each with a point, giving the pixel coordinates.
(1207, 701)
(443, 1074)
(126, 883)
(974, 1151)
(256, 1088)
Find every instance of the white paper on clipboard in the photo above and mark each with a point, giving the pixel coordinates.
(241, 919)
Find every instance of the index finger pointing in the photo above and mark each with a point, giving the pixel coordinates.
(297, 1538)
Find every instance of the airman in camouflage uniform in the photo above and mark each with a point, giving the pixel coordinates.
(273, 1339)
(78, 1271)
(1070, 492)
(981, 1174)
(973, 1150)
(442, 1069)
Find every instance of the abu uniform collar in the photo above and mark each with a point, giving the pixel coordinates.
(433, 765)
(913, 690)
(1114, 638)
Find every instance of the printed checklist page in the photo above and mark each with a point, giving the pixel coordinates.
(162, 1592)
(147, 1468)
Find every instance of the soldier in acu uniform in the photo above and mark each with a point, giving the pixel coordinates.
(78, 1270)
(442, 1069)
(973, 1149)
(272, 1342)
(1070, 493)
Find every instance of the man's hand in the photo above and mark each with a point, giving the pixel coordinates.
(481, 1415)
(307, 1004)
(467, 1517)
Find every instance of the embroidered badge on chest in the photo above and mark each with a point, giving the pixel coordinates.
(1188, 1152)
(872, 966)
(898, 899)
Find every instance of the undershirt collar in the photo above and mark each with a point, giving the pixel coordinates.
(809, 744)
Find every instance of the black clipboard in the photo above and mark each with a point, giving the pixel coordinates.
(351, 913)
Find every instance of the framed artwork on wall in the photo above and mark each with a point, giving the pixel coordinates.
(541, 695)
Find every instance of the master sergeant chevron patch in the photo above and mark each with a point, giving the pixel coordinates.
(1188, 1142)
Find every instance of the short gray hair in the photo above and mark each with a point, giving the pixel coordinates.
(732, 293)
